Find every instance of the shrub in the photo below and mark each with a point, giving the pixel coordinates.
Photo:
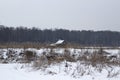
(29, 56)
(41, 62)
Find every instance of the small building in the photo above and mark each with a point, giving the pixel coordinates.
(59, 43)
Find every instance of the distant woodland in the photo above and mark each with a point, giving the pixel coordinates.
(88, 38)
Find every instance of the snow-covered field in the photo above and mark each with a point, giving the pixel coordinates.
(58, 71)
(16, 72)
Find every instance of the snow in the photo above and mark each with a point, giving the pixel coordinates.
(40, 51)
(56, 50)
(113, 52)
(26, 72)
(14, 72)
(58, 71)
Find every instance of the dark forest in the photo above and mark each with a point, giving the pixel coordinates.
(84, 37)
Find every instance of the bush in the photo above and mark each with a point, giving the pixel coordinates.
(41, 62)
(29, 56)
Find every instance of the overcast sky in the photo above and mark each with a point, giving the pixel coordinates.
(68, 14)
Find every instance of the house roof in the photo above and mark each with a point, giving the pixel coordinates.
(58, 42)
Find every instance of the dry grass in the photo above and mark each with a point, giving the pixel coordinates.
(97, 60)
(22, 45)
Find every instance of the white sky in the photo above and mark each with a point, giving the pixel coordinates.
(68, 14)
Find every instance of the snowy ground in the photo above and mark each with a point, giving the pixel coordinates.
(14, 72)
(58, 71)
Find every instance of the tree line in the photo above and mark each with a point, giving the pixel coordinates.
(88, 38)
